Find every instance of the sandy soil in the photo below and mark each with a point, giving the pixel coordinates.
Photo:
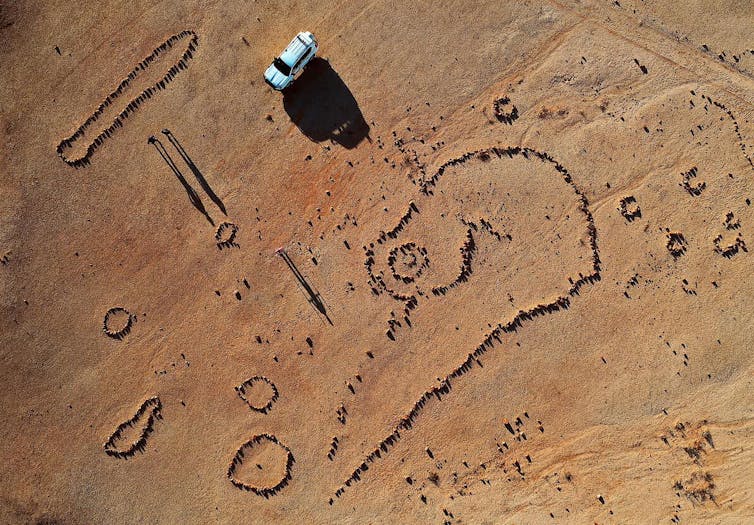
(515, 280)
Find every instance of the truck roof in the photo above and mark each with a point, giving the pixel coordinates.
(296, 48)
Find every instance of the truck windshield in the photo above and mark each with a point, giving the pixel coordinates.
(282, 66)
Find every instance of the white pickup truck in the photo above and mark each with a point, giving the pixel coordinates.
(291, 61)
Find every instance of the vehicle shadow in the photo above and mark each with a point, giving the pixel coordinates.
(322, 106)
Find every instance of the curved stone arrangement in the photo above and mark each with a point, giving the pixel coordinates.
(225, 236)
(243, 390)
(117, 332)
(130, 107)
(238, 459)
(493, 337)
(151, 409)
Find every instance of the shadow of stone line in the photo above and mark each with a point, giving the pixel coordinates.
(313, 297)
(194, 198)
(134, 104)
(198, 174)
